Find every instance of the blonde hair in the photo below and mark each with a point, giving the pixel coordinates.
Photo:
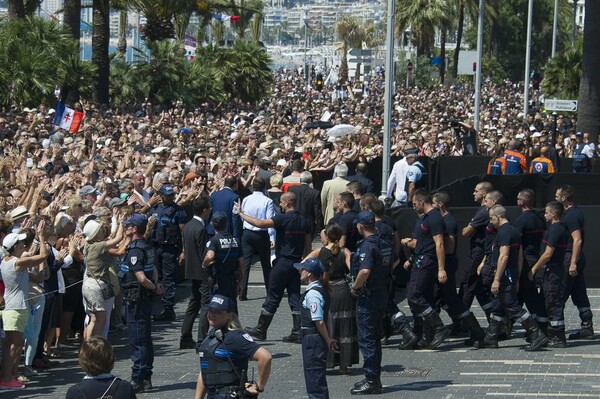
(276, 180)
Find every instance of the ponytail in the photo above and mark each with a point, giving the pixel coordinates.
(335, 247)
(324, 280)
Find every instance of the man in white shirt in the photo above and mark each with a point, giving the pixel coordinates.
(397, 179)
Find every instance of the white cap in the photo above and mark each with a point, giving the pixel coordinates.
(11, 239)
(282, 162)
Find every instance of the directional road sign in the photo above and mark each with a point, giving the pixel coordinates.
(560, 105)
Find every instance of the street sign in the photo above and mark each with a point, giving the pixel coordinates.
(360, 60)
(357, 52)
(560, 105)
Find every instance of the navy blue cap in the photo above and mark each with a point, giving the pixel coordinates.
(136, 219)
(166, 189)
(218, 217)
(220, 303)
(365, 217)
(312, 265)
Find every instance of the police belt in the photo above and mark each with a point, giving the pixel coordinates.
(225, 390)
(308, 331)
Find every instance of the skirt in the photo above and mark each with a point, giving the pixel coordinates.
(342, 315)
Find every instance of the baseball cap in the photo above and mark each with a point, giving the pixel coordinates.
(11, 239)
(85, 190)
(312, 265)
(136, 219)
(578, 134)
(220, 303)
(166, 189)
(365, 217)
(218, 217)
(116, 202)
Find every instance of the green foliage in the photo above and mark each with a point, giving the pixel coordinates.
(36, 56)
(493, 69)
(562, 73)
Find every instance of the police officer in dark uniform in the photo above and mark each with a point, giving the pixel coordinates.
(139, 281)
(370, 287)
(224, 355)
(506, 261)
(574, 283)
(292, 241)
(553, 255)
(316, 341)
(166, 237)
(224, 260)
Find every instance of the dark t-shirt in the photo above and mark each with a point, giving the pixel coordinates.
(390, 222)
(291, 229)
(195, 237)
(451, 230)
(96, 387)
(490, 236)
(346, 221)
(508, 235)
(227, 253)
(384, 230)
(556, 237)
(429, 226)
(532, 227)
(573, 221)
(479, 221)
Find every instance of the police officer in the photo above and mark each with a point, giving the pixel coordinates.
(223, 260)
(506, 262)
(166, 237)
(574, 283)
(428, 266)
(370, 287)
(224, 355)
(292, 241)
(553, 255)
(316, 341)
(139, 280)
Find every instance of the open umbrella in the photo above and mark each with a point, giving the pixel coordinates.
(341, 130)
(319, 124)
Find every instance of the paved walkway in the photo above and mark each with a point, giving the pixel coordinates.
(453, 371)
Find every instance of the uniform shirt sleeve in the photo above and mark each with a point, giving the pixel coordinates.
(480, 219)
(278, 220)
(135, 260)
(314, 302)
(241, 343)
(571, 223)
(366, 256)
(554, 236)
(503, 237)
(211, 245)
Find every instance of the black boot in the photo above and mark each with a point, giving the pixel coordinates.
(556, 338)
(259, 333)
(586, 332)
(440, 332)
(417, 332)
(505, 329)
(536, 336)
(490, 340)
(294, 337)
(459, 327)
(477, 333)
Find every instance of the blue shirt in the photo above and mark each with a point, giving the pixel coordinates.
(259, 206)
(314, 301)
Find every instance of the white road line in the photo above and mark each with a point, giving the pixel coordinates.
(545, 395)
(480, 385)
(495, 373)
(528, 362)
(582, 355)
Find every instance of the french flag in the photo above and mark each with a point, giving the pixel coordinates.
(67, 118)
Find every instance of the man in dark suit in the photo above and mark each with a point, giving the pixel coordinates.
(308, 203)
(195, 237)
(223, 201)
(361, 176)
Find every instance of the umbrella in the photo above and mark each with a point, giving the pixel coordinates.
(319, 124)
(341, 130)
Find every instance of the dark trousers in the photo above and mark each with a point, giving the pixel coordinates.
(528, 291)
(201, 294)
(283, 277)
(369, 315)
(420, 290)
(575, 287)
(166, 262)
(227, 286)
(314, 357)
(507, 302)
(471, 283)
(552, 289)
(448, 296)
(139, 329)
(256, 242)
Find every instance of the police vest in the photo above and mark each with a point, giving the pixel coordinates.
(219, 366)
(132, 290)
(307, 323)
(227, 254)
(581, 162)
(166, 230)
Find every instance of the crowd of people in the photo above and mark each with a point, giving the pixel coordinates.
(95, 224)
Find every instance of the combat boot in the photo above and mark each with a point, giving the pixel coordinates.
(409, 342)
(459, 327)
(294, 337)
(556, 338)
(259, 333)
(586, 331)
(477, 333)
(440, 331)
(536, 336)
(490, 339)
(505, 329)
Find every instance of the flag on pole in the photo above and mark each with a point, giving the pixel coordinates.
(67, 118)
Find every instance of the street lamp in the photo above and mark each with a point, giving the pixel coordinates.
(574, 35)
(409, 68)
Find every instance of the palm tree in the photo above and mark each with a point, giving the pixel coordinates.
(588, 119)
(351, 34)
(21, 8)
(423, 16)
(100, 42)
(562, 74)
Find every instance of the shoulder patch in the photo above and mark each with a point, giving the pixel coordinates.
(133, 260)
(208, 244)
(248, 337)
(362, 257)
(313, 307)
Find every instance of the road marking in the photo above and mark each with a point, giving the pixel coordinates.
(582, 355)
(481, 385)
(495, 373)
(545, 395)
(528, 362)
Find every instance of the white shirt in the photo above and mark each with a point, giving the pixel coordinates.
(398, 179)
(259, 206)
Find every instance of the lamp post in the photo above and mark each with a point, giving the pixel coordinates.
(574, 35)
(409, 68)
(478, 72)
(388, 96)
(554, 28)
(527, 60)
